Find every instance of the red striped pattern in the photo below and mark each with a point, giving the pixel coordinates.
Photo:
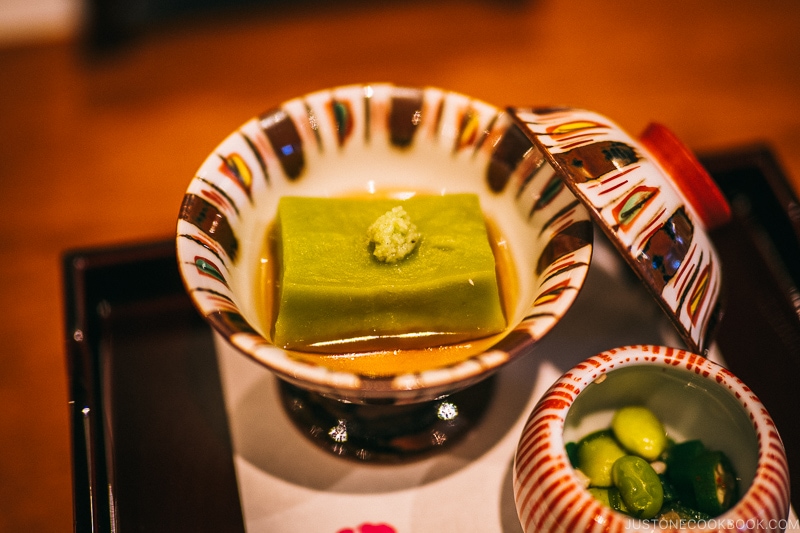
(549, 495)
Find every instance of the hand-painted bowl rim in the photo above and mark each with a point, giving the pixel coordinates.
(205, 280)
(541, 450)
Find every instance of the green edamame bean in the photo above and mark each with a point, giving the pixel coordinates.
(616, 501)
(639, 486)
(609, 497)
(596, 455)
(639, 431)
(600, 494)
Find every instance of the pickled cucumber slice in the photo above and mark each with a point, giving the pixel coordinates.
(714, 482)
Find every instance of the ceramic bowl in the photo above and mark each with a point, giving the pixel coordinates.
(654, 201)
(369, 139)
(695, 399)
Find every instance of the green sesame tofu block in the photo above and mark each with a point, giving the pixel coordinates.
(334, 294)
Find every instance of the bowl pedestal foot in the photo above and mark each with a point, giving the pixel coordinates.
(385, 433)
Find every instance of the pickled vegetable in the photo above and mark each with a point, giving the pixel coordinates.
(639, 431)
(596, 455)
(679, 464)
(676, 512)
(601, 494)
(572, 453)
(650, 476)
(714, 483)
(610, 497)
(638, 485)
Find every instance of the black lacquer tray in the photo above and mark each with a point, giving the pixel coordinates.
(151, 444)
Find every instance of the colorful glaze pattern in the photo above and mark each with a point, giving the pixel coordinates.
(636, 203)
(358, 139)
(549, 495)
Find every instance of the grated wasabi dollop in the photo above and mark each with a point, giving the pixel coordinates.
(394, 235)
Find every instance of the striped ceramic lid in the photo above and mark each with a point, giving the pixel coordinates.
(654, 201)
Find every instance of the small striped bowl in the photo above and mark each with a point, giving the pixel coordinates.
(694, 397)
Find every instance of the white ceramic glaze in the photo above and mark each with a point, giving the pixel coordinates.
(694, 397)
(366, 139)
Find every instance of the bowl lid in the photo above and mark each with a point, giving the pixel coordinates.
(653, 200)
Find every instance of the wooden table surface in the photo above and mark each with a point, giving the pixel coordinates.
(99, 152)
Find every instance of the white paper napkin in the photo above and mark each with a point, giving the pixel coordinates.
(289, 485)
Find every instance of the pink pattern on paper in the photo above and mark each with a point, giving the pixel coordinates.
(369, 528)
